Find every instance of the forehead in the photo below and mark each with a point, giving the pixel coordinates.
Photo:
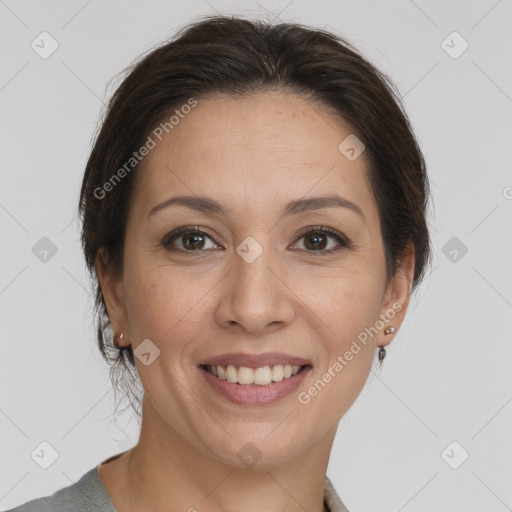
(256, 151)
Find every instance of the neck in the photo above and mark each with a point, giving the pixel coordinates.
(165, 468)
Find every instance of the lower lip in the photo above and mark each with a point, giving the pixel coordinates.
(252, 394)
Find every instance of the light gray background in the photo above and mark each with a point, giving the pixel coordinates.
(447, 376)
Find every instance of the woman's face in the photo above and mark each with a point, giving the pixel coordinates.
(254, 281)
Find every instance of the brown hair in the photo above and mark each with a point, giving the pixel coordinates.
(236, 56)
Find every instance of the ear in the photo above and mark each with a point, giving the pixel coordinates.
(113, 294)
(396, 296)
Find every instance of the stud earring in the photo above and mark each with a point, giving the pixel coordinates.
(117, 339)
(382, 351)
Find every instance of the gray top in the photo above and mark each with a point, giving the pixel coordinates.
(89, 495)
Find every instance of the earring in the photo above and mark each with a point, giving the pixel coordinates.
(382, 354)
(116, 338)
(382, 351)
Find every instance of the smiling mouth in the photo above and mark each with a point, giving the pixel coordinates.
(262, 376)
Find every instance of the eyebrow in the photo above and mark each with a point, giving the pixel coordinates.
(210, 206)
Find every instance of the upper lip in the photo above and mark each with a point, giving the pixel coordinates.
(255, 360)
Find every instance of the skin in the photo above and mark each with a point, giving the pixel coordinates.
(253, 155)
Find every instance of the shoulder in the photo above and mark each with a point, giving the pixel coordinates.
(332, 499)
(86, 495)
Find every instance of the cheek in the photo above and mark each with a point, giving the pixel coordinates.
(342, 310)
(165, 304)
(345, 299)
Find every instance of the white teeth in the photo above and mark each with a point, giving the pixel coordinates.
(277, 373)
(231, 374)
(245, 375)
(262, 376)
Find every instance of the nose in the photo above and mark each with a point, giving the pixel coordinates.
(256, 298)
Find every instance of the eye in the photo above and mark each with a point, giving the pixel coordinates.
(190, 239)
(316, 239)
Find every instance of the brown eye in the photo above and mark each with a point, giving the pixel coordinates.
(187, 239)
(193, 241)
(322, 240)
(315, 240)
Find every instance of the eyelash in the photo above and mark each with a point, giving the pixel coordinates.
(343, 242)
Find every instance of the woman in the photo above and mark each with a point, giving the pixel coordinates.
(254, 213)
